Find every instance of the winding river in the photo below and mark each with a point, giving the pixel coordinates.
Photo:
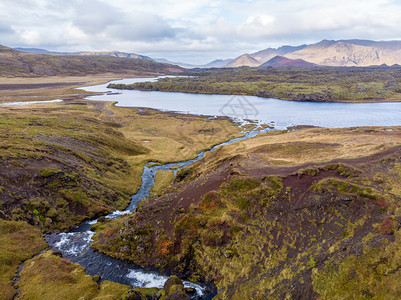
(74, 245)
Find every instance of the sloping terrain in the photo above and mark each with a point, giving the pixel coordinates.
(14, 63)
(103, 53)
(281, 61)
(63, 163)
(115, 54)
(284, 215)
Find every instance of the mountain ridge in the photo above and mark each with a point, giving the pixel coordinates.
(336, 53)
(14, 63)
(341, 53)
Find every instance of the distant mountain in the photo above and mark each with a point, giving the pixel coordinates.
(180, 64)
(214, 64)
(115, 54)
(243, 60)
(42, 51)
(16, 63)
(348, 53)
(281, 61)
(217, 63)
(267, 54)
(102, 53)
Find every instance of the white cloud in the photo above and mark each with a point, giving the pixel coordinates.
(182, 28)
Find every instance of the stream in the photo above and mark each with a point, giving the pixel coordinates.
(75, 245)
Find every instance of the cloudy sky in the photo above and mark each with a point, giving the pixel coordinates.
(195, 31)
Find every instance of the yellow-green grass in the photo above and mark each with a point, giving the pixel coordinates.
(64, 163)
(96, 153)
(274, 220)
(18, 242)
(49, 276)
(170, 137)
(374, 275)
(163, 178)
(312, 145)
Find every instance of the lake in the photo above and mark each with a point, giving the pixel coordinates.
(283, 113)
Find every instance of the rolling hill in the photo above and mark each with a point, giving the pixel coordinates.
(15, 63)
(102, 53)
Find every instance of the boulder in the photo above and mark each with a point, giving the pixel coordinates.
(133, 295)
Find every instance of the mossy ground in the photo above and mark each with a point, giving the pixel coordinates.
(269, 228)
(18, 242)
(63, 163)
(49, 276)
(162, 180)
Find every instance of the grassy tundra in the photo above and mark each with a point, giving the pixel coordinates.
(308, 213)
(370, 84)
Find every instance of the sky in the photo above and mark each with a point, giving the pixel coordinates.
(192, 31)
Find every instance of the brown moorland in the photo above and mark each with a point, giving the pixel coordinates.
(286, 214)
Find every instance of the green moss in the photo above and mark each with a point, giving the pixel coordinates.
(311, 262)
(372, 275)
(48, 276)
(241, 185)
(45, 172)
(18, 242)
(162, 179)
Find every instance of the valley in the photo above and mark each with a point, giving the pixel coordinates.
(293, 212)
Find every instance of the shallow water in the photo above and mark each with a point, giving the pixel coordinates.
(282, 113)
